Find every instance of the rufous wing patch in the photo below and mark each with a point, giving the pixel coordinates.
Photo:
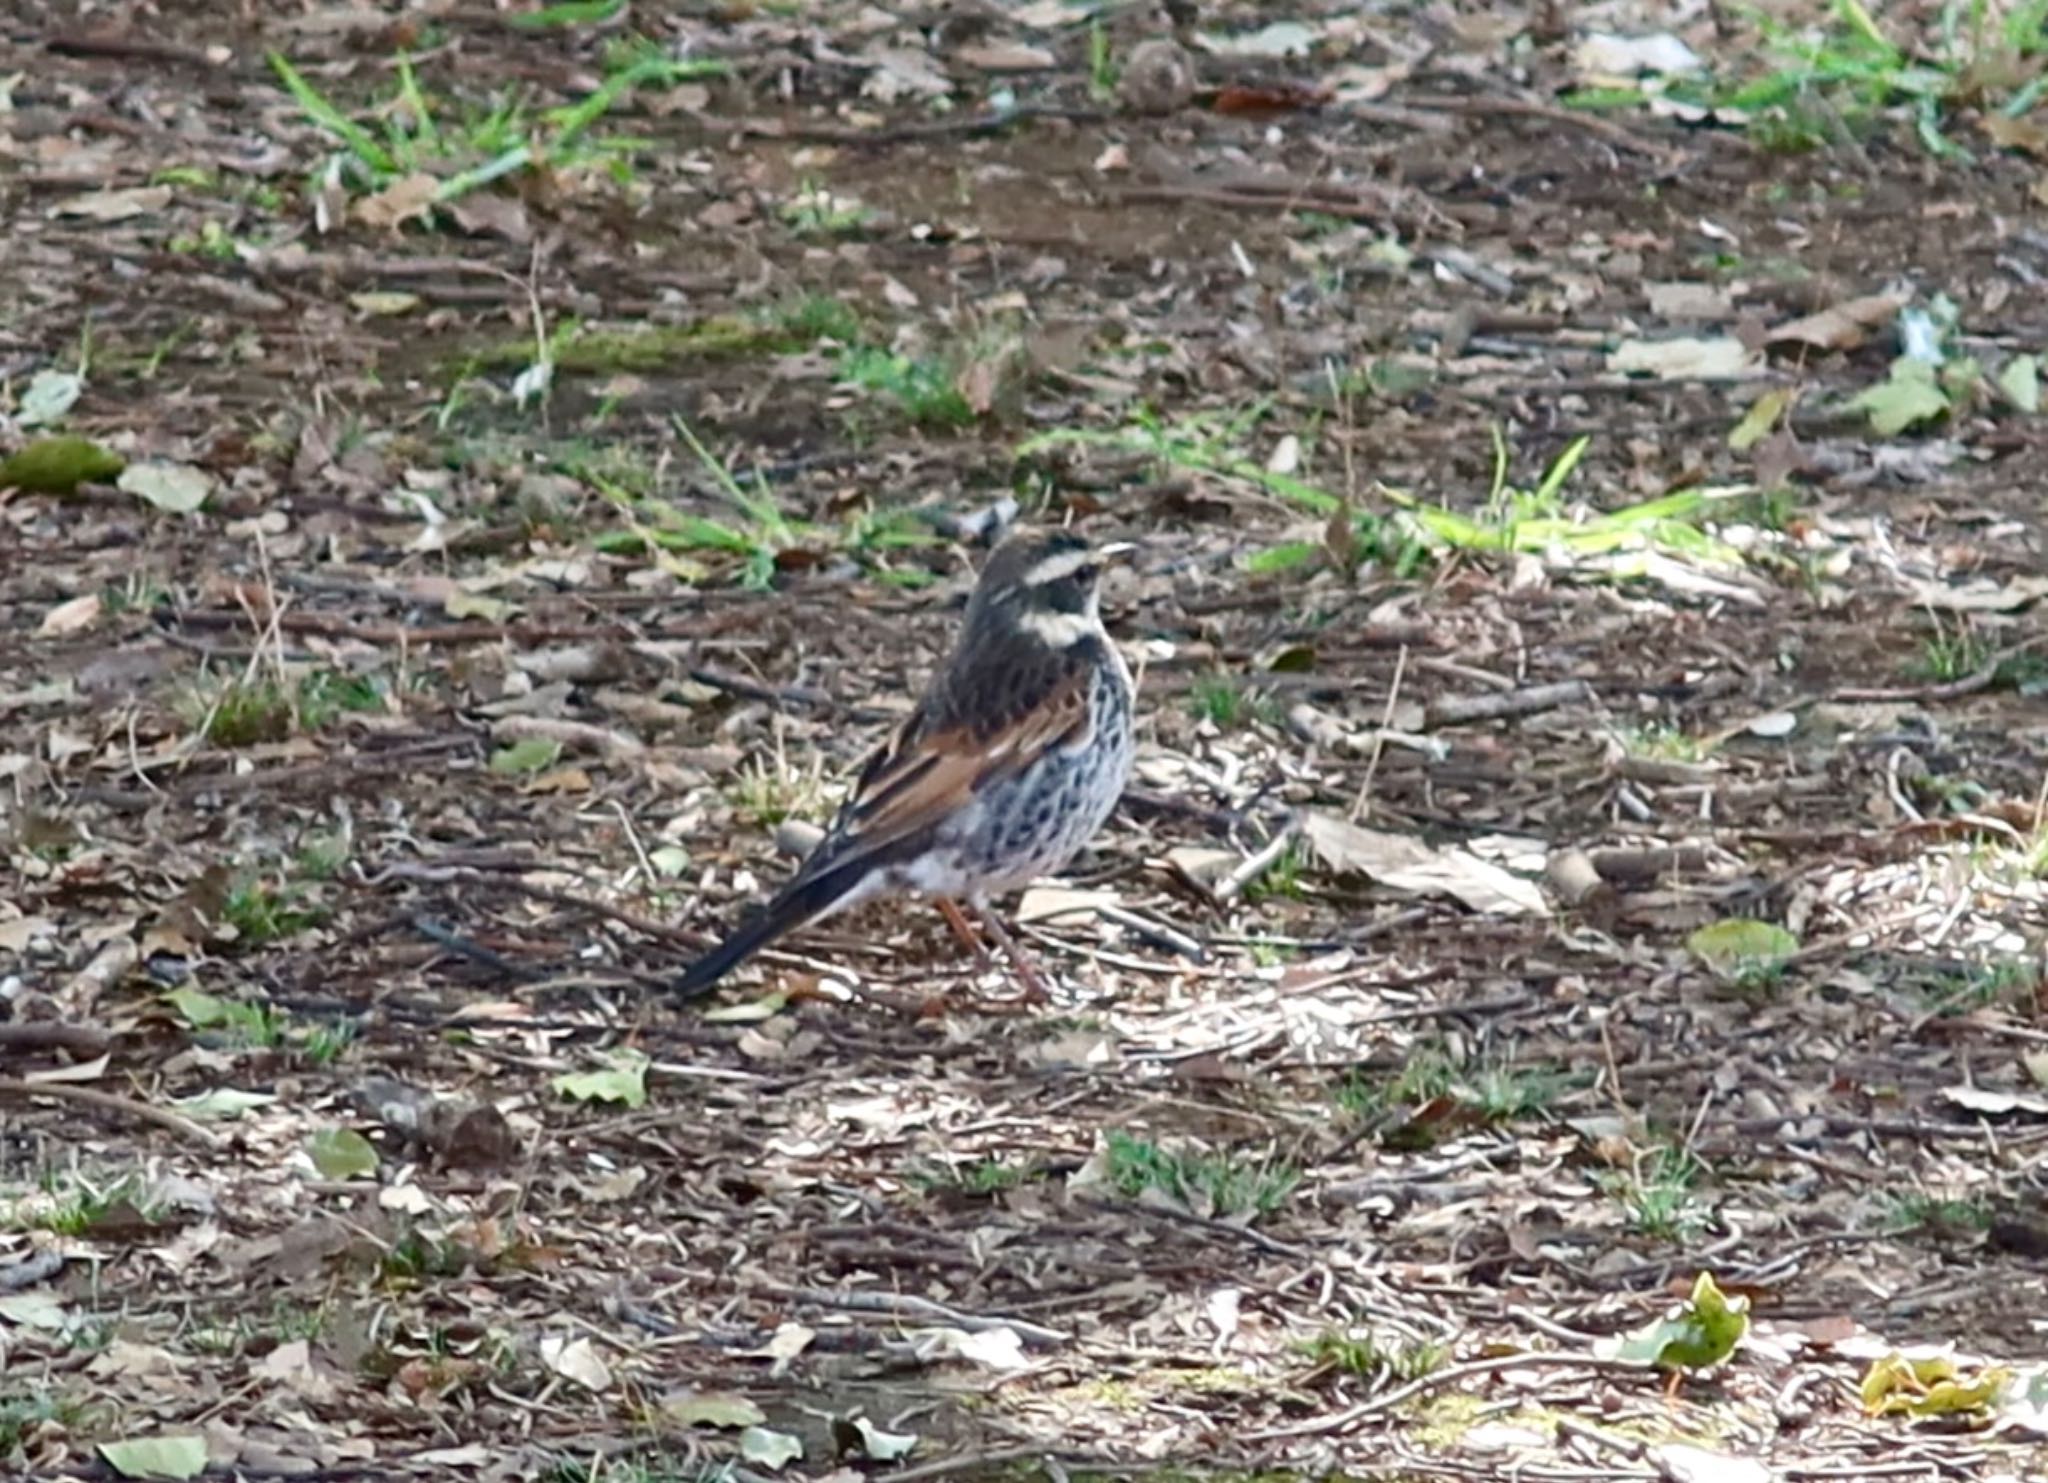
(940, 772)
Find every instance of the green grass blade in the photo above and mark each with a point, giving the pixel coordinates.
(569, 13)
(1859, 22)
(572, 122)
(711, 464)
(1282, 558)
(1500, 468)
(510, 162)
(315, 105)
(424, 132)
(1546, 492)
(1677, 505)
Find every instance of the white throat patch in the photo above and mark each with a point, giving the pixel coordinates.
(1059, 630)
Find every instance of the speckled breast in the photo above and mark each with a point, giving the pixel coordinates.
(1039, 820)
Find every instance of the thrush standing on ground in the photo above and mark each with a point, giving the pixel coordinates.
(1013, 759)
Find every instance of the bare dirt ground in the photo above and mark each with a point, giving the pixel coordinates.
(354, 820)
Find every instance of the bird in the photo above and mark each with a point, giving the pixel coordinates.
(1010, 762)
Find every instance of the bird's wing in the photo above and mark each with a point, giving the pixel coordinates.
(971, 729)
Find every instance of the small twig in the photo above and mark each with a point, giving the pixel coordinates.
(1626, 1446)
(1881, 1127)
(1156, 933)
(87, 1040)
(1437, 1381)
(355, 767)
(1980, 678)
(991, 121)
(647, 870)
(1251, 198)
(442, 935)
(1201, 1222)
(1454, 710)
(1549, 1327)
(1361, 805)
(908, 1305)
(580, 736)
(395, 635)
(1604, 128)
(126, 47)
(163, 1117)
(786, 695)
(438, 874)
(1142, 803)
(1251, 869)
(108, 967)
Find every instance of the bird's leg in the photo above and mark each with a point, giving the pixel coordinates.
(1021, 962)
(964, 930)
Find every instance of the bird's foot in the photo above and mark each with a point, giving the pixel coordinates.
(964, 930)
(1023, 967)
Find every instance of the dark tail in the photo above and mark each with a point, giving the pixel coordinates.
(803, 900)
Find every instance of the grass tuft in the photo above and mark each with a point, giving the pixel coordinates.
(1226, 702)
(979, 1178)
(27, 1411)
(1938, 1215)
(1830, 85)
(766, 792)
(261, 912)
(1285, 878)
(1658, 1196)
(814, 211)
(250, 710)
(921, 387)
(1370, 1358)
(757, 531)
(1220, 1184)
(72, 1205)
(463, 149)
(1492, 1091)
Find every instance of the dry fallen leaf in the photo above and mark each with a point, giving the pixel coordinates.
(1841, 327)
(115, 205)
(71, 616)
(1007, 57)
(1687, 358)
(576, 1359)
(1702, 303)
(291, 1364)
(1408, 864)
(1977, 594)
(2024, 134)
(486, 213)
(398, 203)
(1051, 903)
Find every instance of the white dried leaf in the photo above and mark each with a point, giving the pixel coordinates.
(1687, 358)
(576, 1359)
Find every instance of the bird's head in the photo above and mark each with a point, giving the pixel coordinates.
(1046, 583)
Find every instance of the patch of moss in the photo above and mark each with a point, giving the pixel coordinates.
(1116, 1395)
(651, 347)
(1443, 1417)
(59, 465)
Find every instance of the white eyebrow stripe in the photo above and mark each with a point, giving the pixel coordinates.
(1062, 564)
(1057, 630)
